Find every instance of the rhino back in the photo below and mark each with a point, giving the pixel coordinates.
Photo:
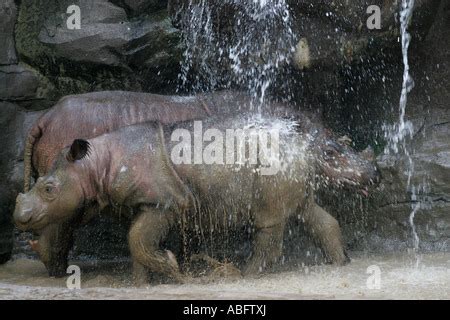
(236, 191)
(92, 114)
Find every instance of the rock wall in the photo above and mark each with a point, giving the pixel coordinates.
(18, 85)
(429, 110)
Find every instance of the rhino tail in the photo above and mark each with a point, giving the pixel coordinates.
(34, 134)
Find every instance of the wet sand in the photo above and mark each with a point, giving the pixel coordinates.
(403, 276)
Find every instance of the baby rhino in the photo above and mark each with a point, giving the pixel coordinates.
(202, 181)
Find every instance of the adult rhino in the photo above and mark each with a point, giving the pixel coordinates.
(134, 167)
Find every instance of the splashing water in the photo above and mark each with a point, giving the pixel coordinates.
(28, 279)
(246, 49)
(240, 44)
(398, 133)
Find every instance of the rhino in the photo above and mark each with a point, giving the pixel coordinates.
(89, 115)
(133, 167)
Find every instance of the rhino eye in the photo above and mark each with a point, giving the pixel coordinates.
(48, 189)
(329, 153)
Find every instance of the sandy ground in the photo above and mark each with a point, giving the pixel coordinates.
(402, 276)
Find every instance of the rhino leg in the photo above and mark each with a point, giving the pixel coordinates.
(55, 242)
(145, 235)
(267, 248)
(326, 230)
(268, 238)
(271, 209)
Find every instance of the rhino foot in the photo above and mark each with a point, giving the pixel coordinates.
(53, 248)
(258, 266)
(56, 266)
(326, 230)
(251, 269)
(267, 249)
(144, 237)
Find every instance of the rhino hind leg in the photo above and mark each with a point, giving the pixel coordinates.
(145, 235)
(267, 248)
(326, 230)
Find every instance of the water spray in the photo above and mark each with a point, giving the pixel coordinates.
(261, 42)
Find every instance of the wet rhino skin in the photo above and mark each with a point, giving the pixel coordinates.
(142, 176)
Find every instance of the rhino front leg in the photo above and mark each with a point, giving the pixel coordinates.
(53, 247)
(146, 233)
(326, 230)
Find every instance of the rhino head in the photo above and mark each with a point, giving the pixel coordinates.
(56, 197)
(339, 165)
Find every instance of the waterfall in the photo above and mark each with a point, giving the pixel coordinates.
(247, 50)
(397, 134)
(407, 85)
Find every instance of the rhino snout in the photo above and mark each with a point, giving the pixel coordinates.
(23, 213)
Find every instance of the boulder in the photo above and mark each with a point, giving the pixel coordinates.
(15, 123)
(429, 192)
(8, 14)
(17, 82)
(112, 50)
(11, 119)
(139, 7)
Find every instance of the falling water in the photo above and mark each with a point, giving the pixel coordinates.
(407, 85)
(240, 44)
(247, 50)
(398, 133)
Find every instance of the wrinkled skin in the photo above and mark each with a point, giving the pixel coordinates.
(96, 113)
(337, 164)
(131, 167)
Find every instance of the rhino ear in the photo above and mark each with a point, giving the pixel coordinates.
(78, 150)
